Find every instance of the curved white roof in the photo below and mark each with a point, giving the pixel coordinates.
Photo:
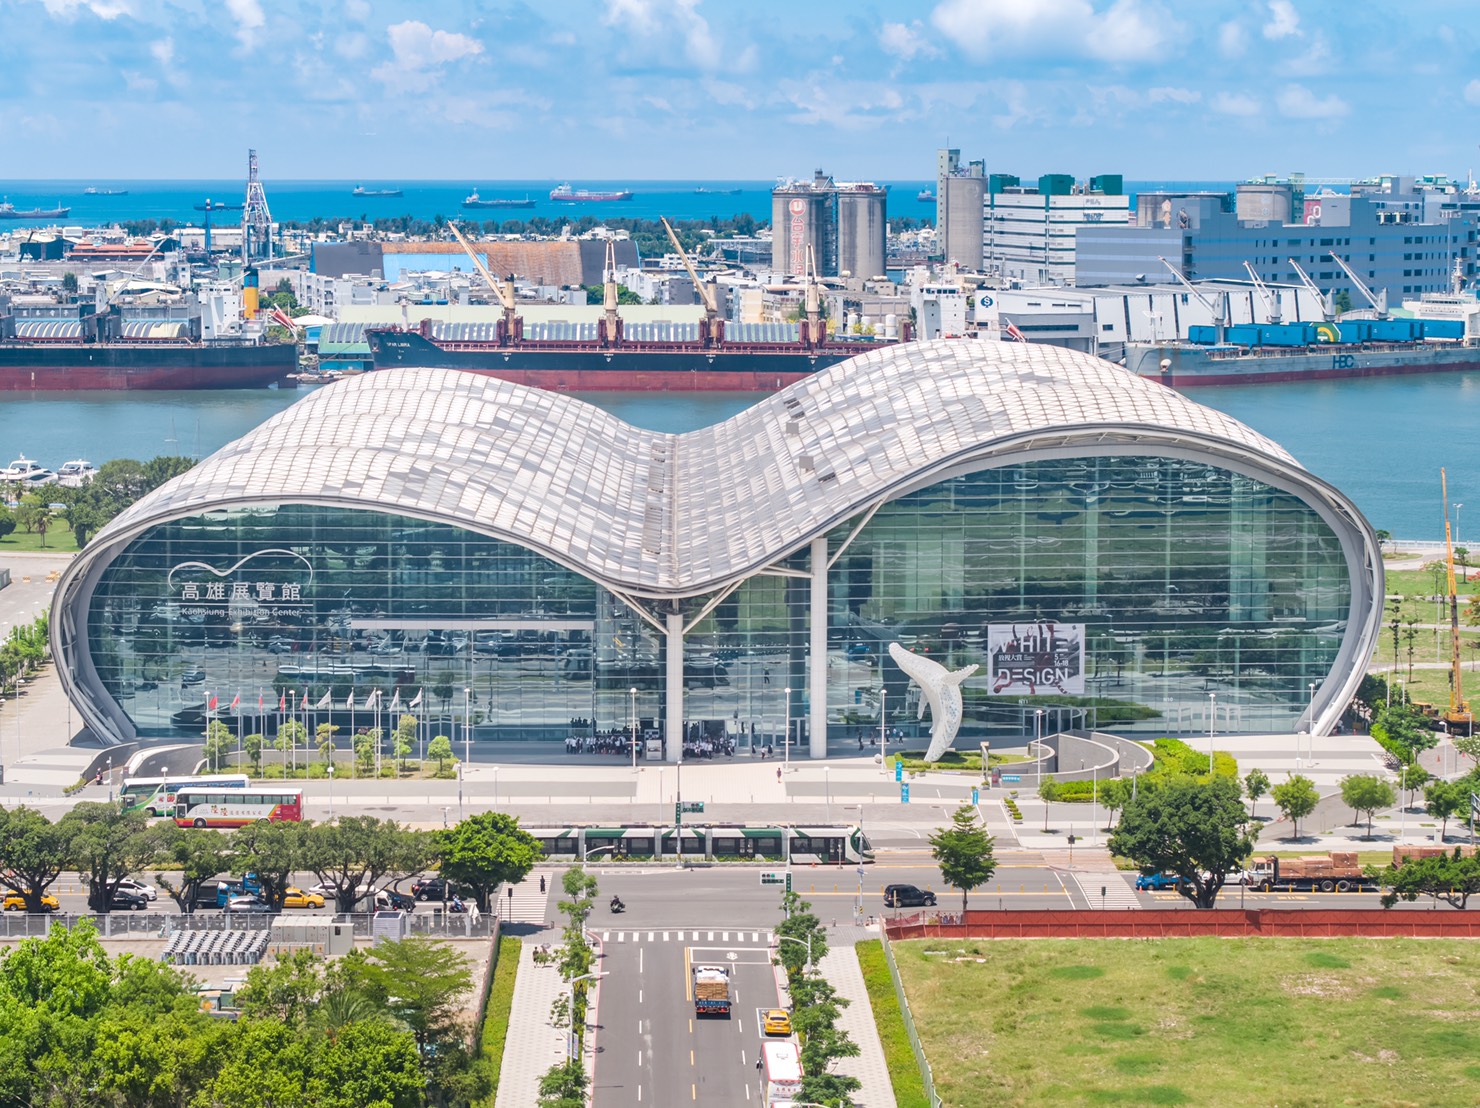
(660, 514)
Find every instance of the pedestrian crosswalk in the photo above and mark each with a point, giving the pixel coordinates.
(527, 905)
(1117, 890)
(689, 935)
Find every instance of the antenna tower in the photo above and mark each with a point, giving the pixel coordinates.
(256, 219)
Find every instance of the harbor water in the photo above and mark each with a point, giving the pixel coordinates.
(1380, 440)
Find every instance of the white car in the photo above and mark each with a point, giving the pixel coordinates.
(329, 891)
(143, 888)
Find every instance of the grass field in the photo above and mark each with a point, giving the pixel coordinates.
(1215, 1022)
(59, 538)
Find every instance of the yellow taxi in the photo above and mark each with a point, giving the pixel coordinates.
(14, 902)
(297, 898)
(777, 1022)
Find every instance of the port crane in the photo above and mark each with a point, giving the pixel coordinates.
(1218, 311)
(712, 331)
(1459, 715)
(1377, 300)
(1328, 302)
(511, 327)
(1271, 299)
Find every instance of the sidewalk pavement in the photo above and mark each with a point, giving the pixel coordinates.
(533, 1045)
(841, 968)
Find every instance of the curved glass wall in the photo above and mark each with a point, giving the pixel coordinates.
(1135, 593)
(295, 609)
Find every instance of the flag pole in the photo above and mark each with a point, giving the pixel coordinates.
(238, 710)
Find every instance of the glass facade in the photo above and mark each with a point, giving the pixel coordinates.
(1111, 591)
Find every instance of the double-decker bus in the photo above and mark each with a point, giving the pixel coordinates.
(212, 806)
(156, 795)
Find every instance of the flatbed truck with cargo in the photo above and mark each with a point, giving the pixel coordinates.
(1336, 872)
(711, 991)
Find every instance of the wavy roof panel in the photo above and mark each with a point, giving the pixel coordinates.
(663, 514)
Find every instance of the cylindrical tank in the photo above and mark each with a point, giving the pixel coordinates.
(249, 294)
(891, 327)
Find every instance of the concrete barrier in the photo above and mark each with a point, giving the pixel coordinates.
(1186, 922)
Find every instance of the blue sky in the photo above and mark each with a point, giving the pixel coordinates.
(748, 89)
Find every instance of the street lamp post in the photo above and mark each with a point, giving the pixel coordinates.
(858, 908)
(330, 772)
(786, 744)
(632, 719)
(827, 794)
(1038, 743)
(570, 1041)
(495, 787)
(467, 725)
(1310, 730)
(883, 732)
(1212, 717)
(799, 942)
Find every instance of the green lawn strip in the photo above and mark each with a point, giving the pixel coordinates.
(58, 540)
(904, 1073)
(500, 1001)
(1205, 1021)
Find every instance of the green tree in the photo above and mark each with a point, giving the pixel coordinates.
(964, 852)
(219, 744)
(1048, 792)
(198, 855)
(287, 989)
(1256, 784)
(1366, 793)
(1197, 829)
(440, 751)
(808, 936)
(1114, 794)
(1444, 800)
(7, 522)
(291, 736)
(1404, 727)
(33, 852)
(273, 851)
(485, 851)
(1468, 745)
(1413, 777)
(34, 513)
(563, 1085)
(420, 980)
(1452, 878)
(358, 851)
(403, 741)
(106, 845)
(253, 744)
(367, 742)
(325, 733)
(1296, 798)
(69, 282)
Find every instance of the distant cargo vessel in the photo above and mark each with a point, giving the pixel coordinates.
(361, 190)
(93, 190)
(473, 200)
(565, 192)
(10, 211)
(1264, 353)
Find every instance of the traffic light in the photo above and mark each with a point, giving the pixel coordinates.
(1071, 840)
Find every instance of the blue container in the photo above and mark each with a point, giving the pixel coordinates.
(1287, 334)
(1443, 328)
(1202, 334)
(1396, 330)
(1357, 330)
(1244, 334)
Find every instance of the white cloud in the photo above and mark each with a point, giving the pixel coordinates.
(1472, 91)
(663, 20)
(1299, 102)
(1284, 20)
(357, 9)
(1129, 30)
(1175, 95)
(1233, 40)
(1235, 103)
(163, 51)
(247, 20)
(904, 41)
(418, 54)
(103, 9)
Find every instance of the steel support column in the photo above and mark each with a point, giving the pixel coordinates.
(673, 690)
(817, 654)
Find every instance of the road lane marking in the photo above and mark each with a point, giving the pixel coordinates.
(665, 936)
(711, 937)
(639, 959)
(605, 935)
(650, 936)
(693, 1092)
(691, 1056)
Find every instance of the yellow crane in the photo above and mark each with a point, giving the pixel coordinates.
(1458, 715)
(511, 325)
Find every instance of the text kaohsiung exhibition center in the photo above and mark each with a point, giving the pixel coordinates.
(521, 565)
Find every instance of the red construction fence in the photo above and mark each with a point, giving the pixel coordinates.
(1441, 923)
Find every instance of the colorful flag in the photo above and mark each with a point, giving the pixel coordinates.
(1012, 331)
(372, 701)
(350, 700)
(283, 701)
(211, 704)
(259, 702)
(235, 701)
(396, 701)
(417, 702)
(324, 701)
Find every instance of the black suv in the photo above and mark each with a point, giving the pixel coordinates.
(907, 896)
(437, 888)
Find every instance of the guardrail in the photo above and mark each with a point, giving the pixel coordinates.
(927, 1076)
(1173, 923)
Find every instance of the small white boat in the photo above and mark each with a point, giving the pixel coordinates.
(23, 471)
(76, 473)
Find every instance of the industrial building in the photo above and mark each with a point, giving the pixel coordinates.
(508, 563)
(843, 223)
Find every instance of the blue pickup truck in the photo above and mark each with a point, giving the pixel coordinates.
(225, 890)
(1158, 881)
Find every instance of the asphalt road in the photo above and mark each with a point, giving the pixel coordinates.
(650, 1047)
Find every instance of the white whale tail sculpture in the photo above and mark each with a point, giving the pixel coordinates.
(941, 689)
